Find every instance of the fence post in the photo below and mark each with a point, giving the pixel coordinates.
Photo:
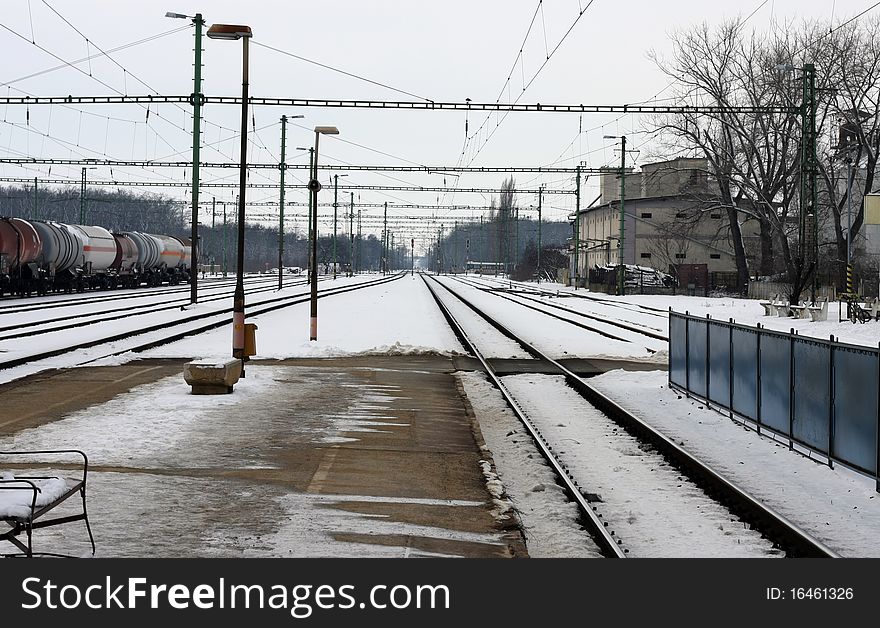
(687, 354)
(730, 367)
(669, 348)
(758, 381)
(877, 434)
(831, 401)
(791, 390)
(708, 361)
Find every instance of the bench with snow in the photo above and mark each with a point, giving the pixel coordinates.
(799, 311)
(212, 377)
(26, 497)
(819, 310)
(770, 306)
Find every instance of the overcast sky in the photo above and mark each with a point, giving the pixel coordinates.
(443, 51)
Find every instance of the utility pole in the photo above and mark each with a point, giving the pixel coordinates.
(809, 171)
(540, 191)
(82, 198)
(335, 206)
(351, 237)
(282, 167)
(34, 211)
(622, 272)
(225, 269)
(360, 241)
(197, 126)
(577, 211)
(311, 166)
(393, 264)
(385, 241)
(213, 226)
(412, 248)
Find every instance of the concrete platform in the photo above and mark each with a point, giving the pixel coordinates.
(357, 457)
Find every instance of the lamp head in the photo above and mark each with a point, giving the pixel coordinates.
(179, 16)
(229, 31)
(327, 130)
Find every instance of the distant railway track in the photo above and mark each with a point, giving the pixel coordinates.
(73, 321)
(188, 325)
(56, 300)
(518, 297)
(783, 533)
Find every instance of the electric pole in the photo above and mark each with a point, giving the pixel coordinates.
(622, 272)
(540, 191)
(577, 211)
(335, 207)
(197, 126)
(351, 238)
(283, 167)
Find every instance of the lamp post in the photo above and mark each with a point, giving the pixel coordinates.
(314, 188)
(621, 270)
(244, 33)
(199, 22)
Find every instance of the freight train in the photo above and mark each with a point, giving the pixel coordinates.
(38, 257)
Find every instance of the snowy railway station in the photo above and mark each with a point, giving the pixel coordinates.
(436, 415)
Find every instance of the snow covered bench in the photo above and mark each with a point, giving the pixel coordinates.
(819, 312)
(770, 306)
(212, 377)
(25, 498)
(799, 311)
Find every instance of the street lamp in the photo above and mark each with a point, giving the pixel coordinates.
(314, 187)
(232, 32)
(621, 271)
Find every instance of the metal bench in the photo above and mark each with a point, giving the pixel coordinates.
(25, 499)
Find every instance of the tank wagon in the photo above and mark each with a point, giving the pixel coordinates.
(43, 256)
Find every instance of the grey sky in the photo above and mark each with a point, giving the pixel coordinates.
(444, 51)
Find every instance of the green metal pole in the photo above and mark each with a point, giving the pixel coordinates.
(540, 191)
(385, 241)
(335, 207)
(225, 269)
(621, 273)
(360, 250)
(311, 169)
(34, 212)
(283, 167)
(197, 124)
(577, 212)
(213, 234)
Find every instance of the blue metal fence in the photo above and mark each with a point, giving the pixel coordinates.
(823, 395)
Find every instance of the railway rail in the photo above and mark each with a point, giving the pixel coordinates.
(782, 532)
(191, 324)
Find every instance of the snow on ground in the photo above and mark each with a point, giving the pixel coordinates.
(169, 471)
(549, 519)
(838, 507)
(395, 318)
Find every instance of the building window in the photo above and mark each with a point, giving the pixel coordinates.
(646, 256)
(680, 256)
(715, 255)
(646, 214)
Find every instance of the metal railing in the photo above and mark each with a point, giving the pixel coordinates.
(822, 395)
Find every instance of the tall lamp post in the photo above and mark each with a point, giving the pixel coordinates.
(621, 270)
(244, 33)
(314, 187)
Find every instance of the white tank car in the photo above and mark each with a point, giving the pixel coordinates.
(173, 253)
(99, 248)
(148, 249)
(186, 260)
(62, 248)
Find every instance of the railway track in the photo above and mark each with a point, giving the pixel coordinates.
(711, 487)
(73, 321)
(191, 324)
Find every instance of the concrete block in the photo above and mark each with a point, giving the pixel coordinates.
(212, 377)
